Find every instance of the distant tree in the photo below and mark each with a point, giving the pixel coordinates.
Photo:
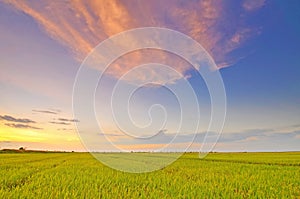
(22, 148)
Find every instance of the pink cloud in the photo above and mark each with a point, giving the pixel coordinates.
(252, 5)
(81, 25)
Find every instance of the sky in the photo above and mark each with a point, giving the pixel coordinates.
(254, 45)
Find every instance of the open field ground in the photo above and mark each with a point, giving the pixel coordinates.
(219, 175)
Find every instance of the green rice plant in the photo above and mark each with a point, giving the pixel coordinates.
(219, 175)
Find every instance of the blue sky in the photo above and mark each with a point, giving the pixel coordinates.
(255, 45)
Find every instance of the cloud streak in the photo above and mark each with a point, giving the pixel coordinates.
(45, 111)
(21, 126)
(65, 129)
(67, 120)
(13, 119)
(61, 123)
(248, 136)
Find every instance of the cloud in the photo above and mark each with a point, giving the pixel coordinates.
(251, 136)
(21, 123)
(67, 120)
(21, 126)
(55, 110)
(12, 119)
(65, 129)
(243, 135)
(81, 25)
(45, 111)
(252, 5)
(61, 123)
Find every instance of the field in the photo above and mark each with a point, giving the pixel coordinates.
(219, 175)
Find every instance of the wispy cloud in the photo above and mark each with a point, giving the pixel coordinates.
(61, 123)
(67, 120)
(45, 111)
(81, 25)
(252, 5)
(55, 110)
(248, 136)
(65, 129)
(21, 126)
(13, 119)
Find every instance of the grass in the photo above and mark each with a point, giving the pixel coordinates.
(219, 175)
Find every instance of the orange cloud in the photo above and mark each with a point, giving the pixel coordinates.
(81, 25)
(157, 75)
